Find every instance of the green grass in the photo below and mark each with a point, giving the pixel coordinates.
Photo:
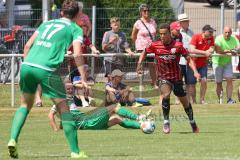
(218, 138)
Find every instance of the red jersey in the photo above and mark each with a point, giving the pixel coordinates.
(201, 44)
(84, 47)
(167, 58)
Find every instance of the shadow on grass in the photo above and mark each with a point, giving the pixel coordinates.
(199, 132)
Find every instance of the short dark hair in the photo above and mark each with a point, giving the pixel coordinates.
(70, 8)
(165, 26)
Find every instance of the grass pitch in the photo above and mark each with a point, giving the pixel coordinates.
(218, 138)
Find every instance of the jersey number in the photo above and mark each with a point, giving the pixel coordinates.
(48, 34)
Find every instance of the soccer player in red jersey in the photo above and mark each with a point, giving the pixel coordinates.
(167, 55)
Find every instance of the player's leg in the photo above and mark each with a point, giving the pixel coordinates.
(68, 124)
(53, 88)
(181, 94)
(125, 123)
(124, 112)
(28, 86)
(165, 88)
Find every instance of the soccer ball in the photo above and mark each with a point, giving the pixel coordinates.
(148, 127)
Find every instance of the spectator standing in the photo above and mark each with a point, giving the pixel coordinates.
(114, 41)
(186, 39)
(143, 34)
(222, 66)
(84, 17)
(201, 44)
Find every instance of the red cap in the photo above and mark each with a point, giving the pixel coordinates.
(175, 25)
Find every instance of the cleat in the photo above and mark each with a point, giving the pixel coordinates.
(166, 128)
(80, 155)
(195, 128)
(12, 149)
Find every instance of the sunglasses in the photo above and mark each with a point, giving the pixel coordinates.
(146, 10)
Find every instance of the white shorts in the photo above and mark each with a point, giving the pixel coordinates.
(221, 72)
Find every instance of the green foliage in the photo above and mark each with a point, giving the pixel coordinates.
(128, 12)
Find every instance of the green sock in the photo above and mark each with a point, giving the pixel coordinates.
(70, 131)
(130, 124)
(127, 114)
(18, 122)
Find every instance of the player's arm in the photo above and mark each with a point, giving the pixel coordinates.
(79, 61)
(29, 44)
(140, 61)
(52, 121)
(94, 49)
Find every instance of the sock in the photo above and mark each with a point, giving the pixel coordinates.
(70, 131)
(166, 108)
(189, 112)
(130, 124)
(18, 122)
(123, 112)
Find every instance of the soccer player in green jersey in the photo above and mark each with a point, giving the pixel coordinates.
(43, 54)
(101, 118)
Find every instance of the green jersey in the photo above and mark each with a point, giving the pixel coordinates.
(52, 42)
(225, 45)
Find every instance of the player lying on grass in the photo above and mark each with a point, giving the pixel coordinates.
(101, 118)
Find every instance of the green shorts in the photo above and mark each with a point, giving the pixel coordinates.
(96, 120)
(51, 83)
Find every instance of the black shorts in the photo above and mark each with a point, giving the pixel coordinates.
(177, 87)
